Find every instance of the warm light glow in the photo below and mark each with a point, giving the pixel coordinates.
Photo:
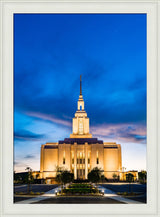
(80, 127)
(82, 157)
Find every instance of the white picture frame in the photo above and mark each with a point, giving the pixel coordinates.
(8, 8)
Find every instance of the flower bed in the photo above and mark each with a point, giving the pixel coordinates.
(129, 193)
(30, 193)
(80, 189)
(80, 186)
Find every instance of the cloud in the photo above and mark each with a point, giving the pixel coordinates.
(49, 118)
(130, 133)
(125, 101)
(16, 163)
(46, 80)
(20, 164)
(140, 137)
(27, 135)
(29, 156)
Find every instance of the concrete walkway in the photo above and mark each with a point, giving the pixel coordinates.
(114, 196)
(107, 193)
(44, 196)
(19, 186)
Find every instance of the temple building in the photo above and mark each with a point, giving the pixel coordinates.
(81, 152)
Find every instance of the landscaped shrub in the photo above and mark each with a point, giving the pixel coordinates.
(21, 193)
(79, 190)
(77, 185)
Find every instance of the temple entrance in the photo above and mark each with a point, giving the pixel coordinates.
(80, 165)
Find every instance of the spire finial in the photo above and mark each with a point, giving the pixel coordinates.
(80, 84)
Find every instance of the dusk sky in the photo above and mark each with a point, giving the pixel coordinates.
(51, 51)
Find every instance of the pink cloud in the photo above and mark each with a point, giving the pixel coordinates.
(49, 118)
(123, 132)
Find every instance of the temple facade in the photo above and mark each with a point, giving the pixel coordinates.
(81, 152)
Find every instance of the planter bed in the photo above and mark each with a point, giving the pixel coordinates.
(80, 189)
(80, 195)
(80, 186)
(30, 193)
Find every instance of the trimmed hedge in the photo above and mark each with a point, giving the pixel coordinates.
(79, 190)
(80, 186)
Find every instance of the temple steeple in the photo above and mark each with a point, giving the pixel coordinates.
(80, 100)
(80, 122)
(80, 84)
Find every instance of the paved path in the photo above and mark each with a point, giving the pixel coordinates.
(126, 187)
(34, 187)
(111, 194)
(107, 194)
(20, 186)
(44, 196)
(79, 200)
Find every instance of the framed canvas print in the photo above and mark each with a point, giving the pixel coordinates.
(79, 108)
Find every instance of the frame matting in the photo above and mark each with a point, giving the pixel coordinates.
(8, 8)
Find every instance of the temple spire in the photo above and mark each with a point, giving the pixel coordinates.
(80, 84)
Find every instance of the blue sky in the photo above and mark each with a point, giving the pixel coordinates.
(51, 51)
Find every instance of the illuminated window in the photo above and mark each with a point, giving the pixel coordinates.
(72, 157)
(81, 127)
(97, 158)
(64, 158)
(89, 157)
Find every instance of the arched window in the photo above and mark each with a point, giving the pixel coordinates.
(80, 107)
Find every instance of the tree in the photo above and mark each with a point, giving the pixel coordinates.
(103, 179)
(142, 176)
(94, 175)
(29, 178)
(114, 176)
(37, 175)
(67, 177)
(59, 171)
(129, 179)
(63, 177)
